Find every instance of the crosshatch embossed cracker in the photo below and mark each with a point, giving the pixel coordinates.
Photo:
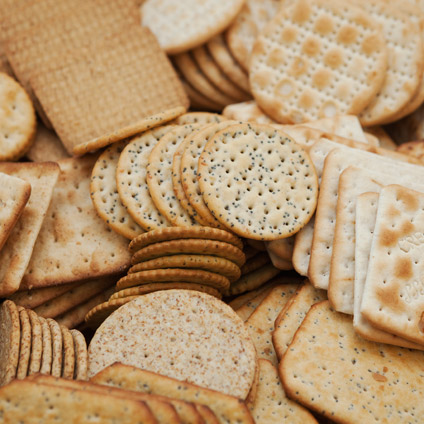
(317, 59)
(257, 181)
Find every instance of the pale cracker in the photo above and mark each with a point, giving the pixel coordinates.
(132, 183)
(413, 148)
(247, 111)
(81, 355)
(245, 161)
(16, 253)
(57, 346)
(282, 248)
(325, 349)
(24, 345)
(47, 355)
(209, 329)
(302, 248)
(104, 193)
(385, 140)
(261, 323)
(36, 343)
(366, 213)
(272, 404)
(182, 26)
(280, 263)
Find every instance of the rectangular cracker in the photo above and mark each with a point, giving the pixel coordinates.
(248, 308)
(261, 323)
(366, 213)
(74, 243)
(227, 408)
(393, 299)
(16, 253)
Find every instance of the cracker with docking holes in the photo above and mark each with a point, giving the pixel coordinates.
(182, 26)
(200, 346)
(257, 181)
(81, 355)
(249, 307)
(36, 343)
(317, 59)
(198, 118)
(18, 249)
(131, 179)
(24, 345)
(325, 349)
(47, 355)
(104, 193)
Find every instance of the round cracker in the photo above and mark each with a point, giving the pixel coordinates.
(36, 343)
(17, 122)
(104, 193)
(198, 118)
(47, 356)
(57, 342)
(200, 340)
(258, 182)
(174, 274)
(198, 100)
(81, 355)
(68, 350)
(25, 345)
(10, 337)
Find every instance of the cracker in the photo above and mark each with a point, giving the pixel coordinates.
(104, 193)
(257, 261)
(385, 140)
(405, 59)
(198, 118)
(10, 335)
(36, 343)
(272, 404)
(14, 195)
(228, 409)
(413, 148)
(24, 346)
(195, 246)
(185, 350)
(159, 176)
(324, 36)
(366, 213)
(249, 307)
(325, 347)
(280, 263)
(174, 274)
(17, 251)
(57, 345)
(261, 323)
(247, 111)
(198, 100)
(68, 361)
(81, 355)
(180, 27)
(282, 248)
(244, 298)
(233, 175)
(131, 179)
(302, 248)
(292, 315)
(204, 262)
(71, 220)
(47, 355)
(219, 51)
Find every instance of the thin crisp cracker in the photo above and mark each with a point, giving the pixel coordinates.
(57, 346)
(36, 343)
(24, 346)
(68, 361)
(47, 355)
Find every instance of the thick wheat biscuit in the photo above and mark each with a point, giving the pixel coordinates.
(249, 161)
(194, 246)
(247, 111)
(17, 251)
(131, 179)
(36, 343)
(68, 361)
(202, 328)
(325, 346)
(219, 51)
(57, 347)
(228, 409)
(204, 262)
(182, 26)
(335, 40)
(159, 176)
(24, 345)
(10, 335)
(174, 274)
(71, 220)
(104, 193)
(272, 404)
(47, 355)
(249, 23)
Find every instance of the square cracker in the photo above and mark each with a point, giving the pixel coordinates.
(16, 253)
(114, 89)
(393, 297)
(46, 146)
(74, 243)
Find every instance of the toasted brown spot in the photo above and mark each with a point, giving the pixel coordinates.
(306, 101)
(298, 67)
(347, 34)
(334, 58)
(389, 296)
(301, 12)
(378, 377)
(261, 79)
(388, 238)
(403, 269)
(311, 47)
(324, 25)
(409, 200)
(275, 58)
(370, 44)
(288, 35)
(321, 78)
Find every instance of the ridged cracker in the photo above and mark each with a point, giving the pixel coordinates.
(47, 355)
(184, 350)
(104, 193)
(249, 161)
(183, 26)
(295, 61)
(57, 347)
(81, 355)
(131, 179)
(24, 345)
(36, 343)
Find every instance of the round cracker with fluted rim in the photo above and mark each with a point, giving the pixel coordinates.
(57, 343)
(258, 182)
(17, 119)
(131, 179)
(317, 59)
(36, 343)
(104, 193)
(25, 345)
(68, 361)
(198, 118)
(182, 25)
(81, 355)
(46, 358)
(200, 340)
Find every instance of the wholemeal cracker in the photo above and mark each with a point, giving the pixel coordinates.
(57, 346)
(16, 253)
(36, 343)
(81, 355)
(179, 352)
(68, 359)
(24, 345)
(104, 193)
(47, 355)
(331, 370)
(198, 118)
(231, 188)
(255, 262)
(324, 36)
(131, 179)
(180, 27)
(71, 220)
